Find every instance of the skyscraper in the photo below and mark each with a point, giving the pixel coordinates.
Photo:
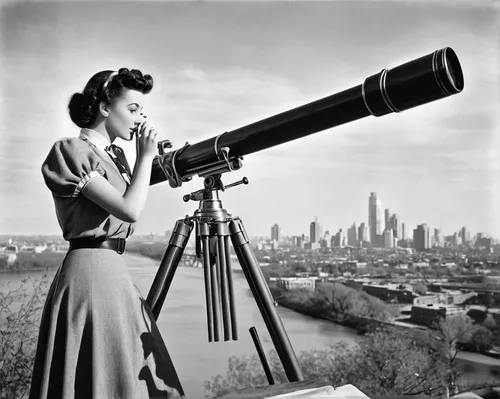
(387, 218)
(352, 235)
(396, 225)
(438, 240)
(465, 235)
(340, 239)
(388, 238)
(362, 232)
(275, 232)
(315, 231)
(375, 218)
(421, 238)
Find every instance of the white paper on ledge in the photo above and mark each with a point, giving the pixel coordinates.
(345, 391)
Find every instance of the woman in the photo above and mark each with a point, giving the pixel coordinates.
(98, 338)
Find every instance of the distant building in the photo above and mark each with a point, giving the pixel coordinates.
(291, 283)
(315, 231)
(465, 235)
(339, 239)
(390, 292)
(275, 232)
(352, 235)
(312, 245)
(362, 232)
(11, 249)
(396, 226)
(457, 298)
(437, 238)
(425, 300)
(483, 242)
(388, 224)
(388, 239)
(421, 238)
(327, 239)
(430, 314)
(299, 241)
(374, 219)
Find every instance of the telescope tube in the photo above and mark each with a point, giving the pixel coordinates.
(421, 81)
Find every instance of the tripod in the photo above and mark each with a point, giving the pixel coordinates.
(214, 227)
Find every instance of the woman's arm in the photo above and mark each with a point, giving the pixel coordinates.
(127, 207)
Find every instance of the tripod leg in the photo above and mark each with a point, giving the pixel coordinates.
(265, 302)
(209, 259)
(221, 230)
(168, 266)
(198, 241)
(204, 234)
(231, 290)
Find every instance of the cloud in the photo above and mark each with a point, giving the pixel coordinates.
(195, 74)
(200, 103)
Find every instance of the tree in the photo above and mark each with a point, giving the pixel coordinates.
(386, 362)
(452, 331)
(372, 308)
(344, 302)
(338, 299)
(481, 339)
(420, 288)
(390, 362)
(20, 312)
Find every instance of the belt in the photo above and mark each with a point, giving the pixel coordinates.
(115, 244)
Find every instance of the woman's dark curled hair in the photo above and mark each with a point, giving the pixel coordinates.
(83, 107)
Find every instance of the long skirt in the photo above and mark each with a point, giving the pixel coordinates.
(98, 338)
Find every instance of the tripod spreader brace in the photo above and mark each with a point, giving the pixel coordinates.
(214, 226)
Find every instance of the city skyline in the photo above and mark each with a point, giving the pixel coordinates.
(436, 163)
(319, 226)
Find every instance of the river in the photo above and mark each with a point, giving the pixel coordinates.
(184, 327)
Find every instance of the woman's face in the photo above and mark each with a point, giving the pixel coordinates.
(125, 114)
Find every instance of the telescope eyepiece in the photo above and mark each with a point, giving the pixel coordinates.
(426, 79)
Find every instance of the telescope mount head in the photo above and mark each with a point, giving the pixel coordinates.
(213, 184)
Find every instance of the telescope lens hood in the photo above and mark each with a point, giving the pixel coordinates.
(426, 79)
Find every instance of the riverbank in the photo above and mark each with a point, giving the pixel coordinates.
(361, 326)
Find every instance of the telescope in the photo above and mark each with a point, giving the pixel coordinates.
(421, 81)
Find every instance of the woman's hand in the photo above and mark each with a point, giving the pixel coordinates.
(129, 205)
(146, 140)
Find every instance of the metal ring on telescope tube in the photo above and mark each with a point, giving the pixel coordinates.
(435, 71)
(363, 94)
(215, 145)
(445, 63)
(383, 91)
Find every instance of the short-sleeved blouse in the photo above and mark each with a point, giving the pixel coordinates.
(69, 166)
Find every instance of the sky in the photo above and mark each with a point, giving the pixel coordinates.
(218, 66)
